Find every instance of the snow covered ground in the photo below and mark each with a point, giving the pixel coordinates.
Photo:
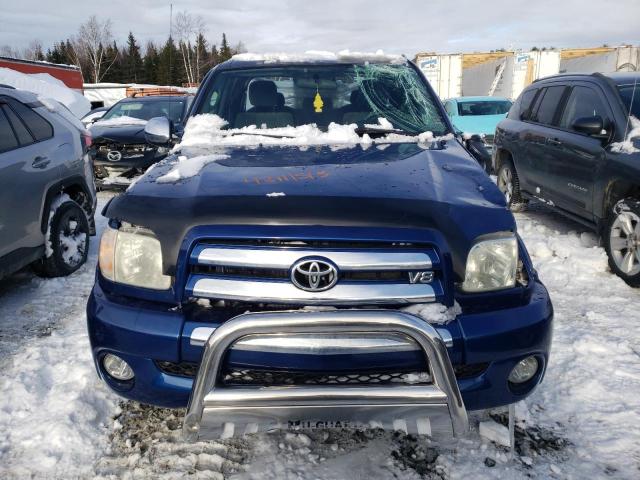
(58, 421)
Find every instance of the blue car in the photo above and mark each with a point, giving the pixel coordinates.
(309, 257)
(477, 115)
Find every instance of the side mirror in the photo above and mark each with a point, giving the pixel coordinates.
(158, 131)
(593, 126)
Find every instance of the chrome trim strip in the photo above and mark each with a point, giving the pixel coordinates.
(245, 290)
(200, 335)
(211, 405)
(344, 260)
(446, 337)
(320, 345)
(329, 344)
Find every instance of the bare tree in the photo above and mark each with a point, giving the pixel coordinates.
(33, 51)
(89, 47)
(187, 28)
(9, 51)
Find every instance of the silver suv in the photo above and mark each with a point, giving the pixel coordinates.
(47, 194)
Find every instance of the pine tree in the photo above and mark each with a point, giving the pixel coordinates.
(215, 56)
(225, 49)
(132, 69)
(202, 57)
(113, 65)
(169, 65)
(150, 64)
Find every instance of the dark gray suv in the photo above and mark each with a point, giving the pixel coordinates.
(572, 142)
(47, 194)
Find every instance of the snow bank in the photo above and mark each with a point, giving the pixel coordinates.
(628, 146)
(46, 86)
(124, 120)
(319, 55)
(54, 410)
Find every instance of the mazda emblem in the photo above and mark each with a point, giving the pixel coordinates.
(314, 274)
(114, 156)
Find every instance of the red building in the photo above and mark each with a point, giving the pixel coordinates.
(70, 75)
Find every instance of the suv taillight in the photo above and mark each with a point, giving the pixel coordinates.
(86, 140)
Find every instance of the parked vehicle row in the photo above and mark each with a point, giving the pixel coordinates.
(211, 261)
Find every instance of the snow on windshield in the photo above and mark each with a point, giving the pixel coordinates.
(208, 130)
(124, 120)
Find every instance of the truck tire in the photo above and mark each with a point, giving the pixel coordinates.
(622, 240)
(509, 185)
(67, 242)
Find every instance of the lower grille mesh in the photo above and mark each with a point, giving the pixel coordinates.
(277, 378)
(274, 377)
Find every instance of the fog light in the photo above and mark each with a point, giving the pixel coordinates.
(524, 370)
(117, 367)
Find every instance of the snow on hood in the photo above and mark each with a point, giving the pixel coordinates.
(318, 55)
(207, 130)
(124, 120)
(47, 87)
(629, 143)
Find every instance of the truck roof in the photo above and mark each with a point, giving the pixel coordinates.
(248, 60)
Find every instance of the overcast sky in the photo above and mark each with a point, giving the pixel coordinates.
(396, 26)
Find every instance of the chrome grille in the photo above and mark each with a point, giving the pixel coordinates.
(367, 274)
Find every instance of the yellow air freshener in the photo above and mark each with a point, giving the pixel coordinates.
(318, 103)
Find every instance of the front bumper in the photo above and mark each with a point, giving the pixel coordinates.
(215, 410)
(146, 333)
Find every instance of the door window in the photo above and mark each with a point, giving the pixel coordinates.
(39, 127)
(8, 140)
(583, 102)
(24, 137)
(524, 104)
(548, 106)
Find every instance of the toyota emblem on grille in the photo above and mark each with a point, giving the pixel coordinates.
(314, 274)
(114, 156)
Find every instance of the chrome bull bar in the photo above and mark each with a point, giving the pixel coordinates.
(215, 411)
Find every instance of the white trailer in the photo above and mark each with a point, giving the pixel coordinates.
(602, 59)
(499, 74)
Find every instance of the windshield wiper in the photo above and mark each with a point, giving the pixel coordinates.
(376, 132)
(256, 134)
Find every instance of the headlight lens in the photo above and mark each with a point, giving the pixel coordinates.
(133, 256)
(491, 265)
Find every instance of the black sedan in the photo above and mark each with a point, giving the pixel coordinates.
(119, 151)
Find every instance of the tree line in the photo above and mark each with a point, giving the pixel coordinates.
(183, 59)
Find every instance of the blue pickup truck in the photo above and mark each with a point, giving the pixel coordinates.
(320, 251)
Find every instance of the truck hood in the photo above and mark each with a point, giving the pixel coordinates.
(406, 186)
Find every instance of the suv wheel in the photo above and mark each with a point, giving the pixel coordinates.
(67, 242)
(622, 240)
(509, 185)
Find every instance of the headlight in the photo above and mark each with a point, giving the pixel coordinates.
(132, 255)
(491, 265)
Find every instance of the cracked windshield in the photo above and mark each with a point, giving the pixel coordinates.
(321, 95)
